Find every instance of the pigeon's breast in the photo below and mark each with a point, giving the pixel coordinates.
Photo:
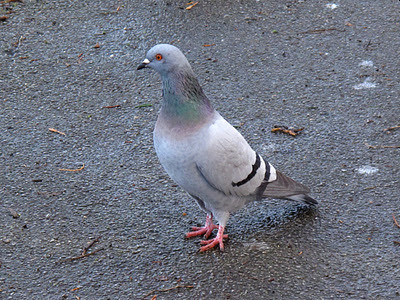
(177, 152)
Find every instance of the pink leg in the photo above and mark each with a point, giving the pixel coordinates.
(206, 230)
(219, 239)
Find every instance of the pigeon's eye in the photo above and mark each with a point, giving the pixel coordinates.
(159, 57)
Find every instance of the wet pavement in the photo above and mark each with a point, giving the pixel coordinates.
(71, 66)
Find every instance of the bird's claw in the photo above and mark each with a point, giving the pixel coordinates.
(218, 240)
(206, 230)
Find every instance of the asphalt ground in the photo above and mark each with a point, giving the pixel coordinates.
(94, 182)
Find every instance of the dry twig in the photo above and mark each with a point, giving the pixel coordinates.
(85, 249)
(395, 221)
(381, 146)
(191, 5)
(56, 131)
(84, 252)
(321, 30)
(111, 106)
(80, 57)
(79, 257)
(392, 128)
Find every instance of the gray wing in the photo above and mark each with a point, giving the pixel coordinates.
(285, 187)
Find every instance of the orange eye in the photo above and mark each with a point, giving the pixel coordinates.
(159, 57)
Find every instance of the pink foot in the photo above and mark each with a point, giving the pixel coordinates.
(206, 230)
(218, 240)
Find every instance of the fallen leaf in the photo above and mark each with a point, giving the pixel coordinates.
(284, 129)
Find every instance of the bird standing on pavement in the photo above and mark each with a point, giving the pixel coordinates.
(206, 155)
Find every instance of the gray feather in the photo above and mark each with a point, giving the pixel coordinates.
(285, 187)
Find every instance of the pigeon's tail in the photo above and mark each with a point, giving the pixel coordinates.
(303, 197)
(286, 188)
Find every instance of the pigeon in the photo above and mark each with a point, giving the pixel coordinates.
(204, 154)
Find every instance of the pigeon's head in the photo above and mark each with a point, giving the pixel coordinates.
(165, 59)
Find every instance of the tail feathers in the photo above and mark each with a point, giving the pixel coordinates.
(303, 197)
(286, 188)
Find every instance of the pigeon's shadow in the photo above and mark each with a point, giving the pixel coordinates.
(266, 216)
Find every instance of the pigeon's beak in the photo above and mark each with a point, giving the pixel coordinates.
(143, 64)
